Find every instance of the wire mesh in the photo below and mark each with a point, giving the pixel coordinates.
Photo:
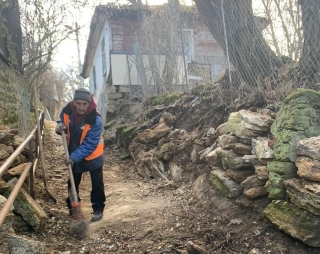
(263, 46)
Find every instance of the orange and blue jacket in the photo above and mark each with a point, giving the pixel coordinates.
(85, 142)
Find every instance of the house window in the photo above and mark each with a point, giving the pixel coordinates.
(188, 44)
(93, 81)
(103, 51)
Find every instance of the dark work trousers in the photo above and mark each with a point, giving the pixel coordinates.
(97, 189)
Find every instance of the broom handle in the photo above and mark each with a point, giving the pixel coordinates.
(73, 186)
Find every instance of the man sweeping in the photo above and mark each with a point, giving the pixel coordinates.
(83, 126)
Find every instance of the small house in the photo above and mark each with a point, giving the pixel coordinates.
(134, 53)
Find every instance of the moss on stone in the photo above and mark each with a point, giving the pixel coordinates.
(294, 221)
(119, 128)
(129, 129)
(124, 134)
(282, 152)
(282, 168)
(165, 99)
(229, 158)
(297, 95)
(9, 119)
(298, 118)
(277, 194)
(163, 151)
(219, 185)
(299, 112)
(278, 172)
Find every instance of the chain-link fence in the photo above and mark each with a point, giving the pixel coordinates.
(266, 46)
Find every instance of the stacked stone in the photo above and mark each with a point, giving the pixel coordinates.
(297, 119)
(254, 186)
(300, 217)
(241, 153)
(9, 141)
(294, 174)
(32, 214)
(157, 144)
(304, 192)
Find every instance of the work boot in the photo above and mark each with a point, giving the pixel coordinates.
(97, 215)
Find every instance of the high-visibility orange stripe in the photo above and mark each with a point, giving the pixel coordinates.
(66, 123)
(96, 153)
(99, 149)
(84, 132)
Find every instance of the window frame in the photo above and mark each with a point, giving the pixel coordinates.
(103, 56)
(190, 53)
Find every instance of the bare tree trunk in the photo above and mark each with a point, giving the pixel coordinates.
(297, 37)
(249, 52)
(171, 54)
(267, 8)
(310, 59)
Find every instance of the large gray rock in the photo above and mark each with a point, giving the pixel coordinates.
(6, 138)
(308, 168)
(255, 192)
(195, 157)
(22, 245)
(240, 175)
(9, 218)
(252, 181)
(5, 151)
(227, 141)
(14, 172)
(250, 159)
(309, 147)
(261, 172)
(28, 208)
(168, 118)
(152, 135)
(261, 149)
(245, 123)
(3, 186)
(278, 172)
(165, 151)
(148, 166)
(304, 194)
(202, 188)
(297, 119)
(242, 149)
(254, 187)
(213, 158)
(206, 151)
(294, 221)
(231, 160)
(224, 185)
(223, 129)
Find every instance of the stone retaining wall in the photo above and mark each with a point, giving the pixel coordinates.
(14, 100)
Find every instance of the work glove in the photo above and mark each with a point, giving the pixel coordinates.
(69, 162)
(61, 127)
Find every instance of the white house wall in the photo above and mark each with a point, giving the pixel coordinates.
(99, 91)
(124, 71)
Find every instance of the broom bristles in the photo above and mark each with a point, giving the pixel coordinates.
(79, 226)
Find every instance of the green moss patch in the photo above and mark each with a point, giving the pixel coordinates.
(165, 99)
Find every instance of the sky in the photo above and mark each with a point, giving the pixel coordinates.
(67, 54)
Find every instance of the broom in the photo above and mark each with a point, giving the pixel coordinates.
(79, 226)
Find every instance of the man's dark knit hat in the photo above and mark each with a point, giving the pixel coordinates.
(82, 94)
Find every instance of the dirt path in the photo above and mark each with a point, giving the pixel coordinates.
(152, 216)
(135, 207)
